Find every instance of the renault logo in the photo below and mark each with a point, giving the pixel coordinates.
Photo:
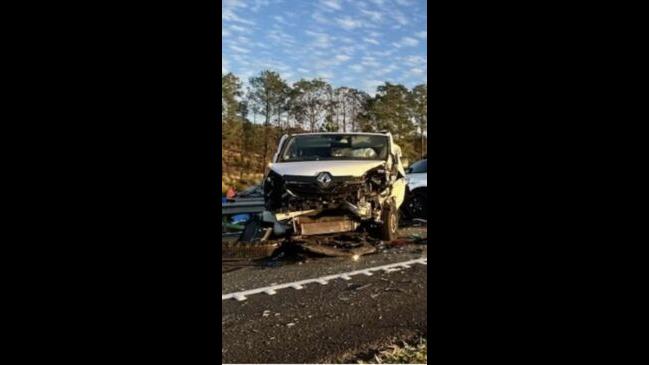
(324, 178)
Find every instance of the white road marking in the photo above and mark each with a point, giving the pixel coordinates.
(324, 280)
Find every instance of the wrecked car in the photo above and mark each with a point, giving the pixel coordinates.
(322, 183)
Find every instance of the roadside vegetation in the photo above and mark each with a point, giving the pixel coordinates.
(253, 119)
(403, 353)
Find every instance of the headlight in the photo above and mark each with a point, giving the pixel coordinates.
(273, 183)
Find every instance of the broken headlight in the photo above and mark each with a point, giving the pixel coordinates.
(378, 178)
(273, 190)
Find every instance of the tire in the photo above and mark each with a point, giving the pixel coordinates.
(416, 205)
(390, 218)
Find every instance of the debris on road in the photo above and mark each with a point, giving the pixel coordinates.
(357, 287)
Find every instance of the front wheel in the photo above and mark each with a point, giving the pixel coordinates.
(390, 218)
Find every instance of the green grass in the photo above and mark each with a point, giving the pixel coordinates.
(402, 354)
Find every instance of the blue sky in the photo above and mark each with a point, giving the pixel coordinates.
(355, 43)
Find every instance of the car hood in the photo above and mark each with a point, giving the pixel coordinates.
(335, 168)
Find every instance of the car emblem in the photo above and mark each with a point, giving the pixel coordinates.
(324, 178)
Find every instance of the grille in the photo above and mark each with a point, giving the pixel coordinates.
(309, 186)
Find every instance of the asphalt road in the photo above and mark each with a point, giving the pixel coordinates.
(338, 322)
(254, 275)
(329, 323)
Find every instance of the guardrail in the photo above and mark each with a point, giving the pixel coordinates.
(242, 206)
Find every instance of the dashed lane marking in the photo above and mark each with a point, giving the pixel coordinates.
(324, 280)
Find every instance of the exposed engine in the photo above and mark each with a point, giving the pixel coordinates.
(362, 196)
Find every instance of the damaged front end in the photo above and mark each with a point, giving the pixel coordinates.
(325, 204)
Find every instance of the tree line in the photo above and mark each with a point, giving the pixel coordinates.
(312, 106)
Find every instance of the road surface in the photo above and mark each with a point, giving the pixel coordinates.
(342, 321)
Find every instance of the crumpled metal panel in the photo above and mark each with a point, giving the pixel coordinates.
(306, 227)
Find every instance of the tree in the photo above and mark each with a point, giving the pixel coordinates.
(314, 105)
(267, 92)
(391, 110)
(340, 107)
(329, 124)
(310, 98)
(358, 104)
(283, 93)
(419, 107)
(231, 123)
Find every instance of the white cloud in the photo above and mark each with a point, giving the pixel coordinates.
(417, 71)
(370, 62)
(331, 4)
(325, 75)
(399, 17)
(280, 19)
(343, 58)
(347, 79)
(238, 49)
(228, 12)
(409, 42)
(275, 65)
(369, 86)
(348, 23)
(383, 53)
(385, 70)
(236, 28)
(371, 40)
(259, 4)
(347, 50)
(414, 60)
(360, 4)
(375, 16)
(319, 18)
(280, 37)
(322, 40)
(262, 45)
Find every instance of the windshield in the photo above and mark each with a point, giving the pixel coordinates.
(335, 147)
